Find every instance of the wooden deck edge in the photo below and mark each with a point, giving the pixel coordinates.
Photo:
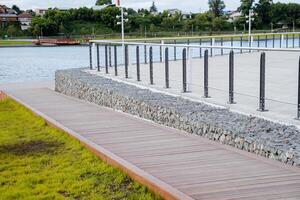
(157, 186)
(2, 95)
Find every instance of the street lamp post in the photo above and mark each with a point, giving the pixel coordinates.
(249, 21)
(122, 23)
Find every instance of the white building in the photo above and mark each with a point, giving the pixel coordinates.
(234, 15)
(173, 11)
(40, 12)
(25, 20)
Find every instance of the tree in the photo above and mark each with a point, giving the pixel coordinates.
(153, 8)
(263, 10)
(216, 7)
(203, 21)
(246, 5)
(16, 8)
(103, 2)
(11, 30)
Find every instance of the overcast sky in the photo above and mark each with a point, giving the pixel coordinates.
(185, 5)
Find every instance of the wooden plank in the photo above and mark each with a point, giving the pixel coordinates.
(172, 163)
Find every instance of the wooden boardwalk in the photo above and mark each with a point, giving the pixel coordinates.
(170, 162)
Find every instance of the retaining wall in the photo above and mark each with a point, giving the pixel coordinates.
(252, 134)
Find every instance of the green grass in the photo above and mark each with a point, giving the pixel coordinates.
(40, 162)
(13, 42)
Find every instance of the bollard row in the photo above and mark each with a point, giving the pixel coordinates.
(262, 80)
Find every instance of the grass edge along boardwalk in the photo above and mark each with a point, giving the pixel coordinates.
(41, 162)
(170, 162)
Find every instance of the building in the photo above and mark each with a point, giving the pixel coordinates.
(25, 19)
(3, 9)
(102, 6)
(7, 15)
(6, 10)
(234, 15)
(40, 12)
(172, 12)
(186, 15)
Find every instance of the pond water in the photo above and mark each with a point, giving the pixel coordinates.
(21, 64)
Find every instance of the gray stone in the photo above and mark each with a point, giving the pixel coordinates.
(253, 134)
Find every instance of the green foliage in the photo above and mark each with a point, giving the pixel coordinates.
(103, 2)
(40, 162)
(216, 7)
(17, 9)
(13, 42)
(57, 22)
(263, 10)
(153, 8)
(287, 13)
(44, 26)
(246, 5)
(11, 30)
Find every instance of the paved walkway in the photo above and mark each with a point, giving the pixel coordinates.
(170, 162)
(281, 82)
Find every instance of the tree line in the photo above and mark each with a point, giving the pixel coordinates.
(88, 21)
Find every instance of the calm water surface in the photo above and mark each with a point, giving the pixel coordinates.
(40, 63)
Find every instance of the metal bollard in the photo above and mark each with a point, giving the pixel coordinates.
(116, 60)
(266, 41)
(206, 74)
(160, 53)
(145, 53)
(262, 83)
(211, 49)
(293, 40)
(231, 77)
(138, 74)
(98, 58)
(175, 52)
(151, 65)
(298, 105)
(90, 54)
(231, 41)
(287, 41)
(273, 41)
(126, 61)
(250, 43)
(222, 51)
(109, 55)
(241, 44)
(106, 61)
(200, 42)
(188, 42)
(184, 79)
(167, 67)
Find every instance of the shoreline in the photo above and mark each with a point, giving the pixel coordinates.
(33, 45)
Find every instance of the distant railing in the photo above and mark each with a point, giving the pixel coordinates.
(184, 49)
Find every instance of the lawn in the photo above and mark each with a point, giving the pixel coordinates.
(40, 162)
(14, 42)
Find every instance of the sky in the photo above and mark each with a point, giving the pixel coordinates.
(185, 5)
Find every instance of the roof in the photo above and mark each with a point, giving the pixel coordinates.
(41, 9)
(4, 6)
(173, 10)
(8, 15)
(25, 15)
(99, 7)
